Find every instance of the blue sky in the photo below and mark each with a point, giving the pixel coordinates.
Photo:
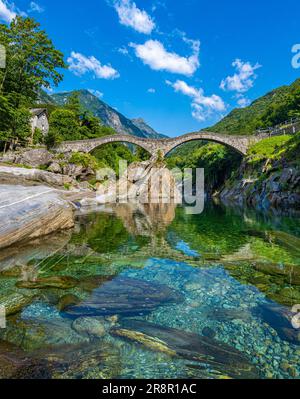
(180, 65)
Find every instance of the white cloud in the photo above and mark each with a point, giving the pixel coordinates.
(35, 7)
(151, 90)
(154, 54)
(202, 106)
(123, 50)
(158, 4)
(80, 65)
(130, 15)
(7, 11)
(243, 79)
(96, 93)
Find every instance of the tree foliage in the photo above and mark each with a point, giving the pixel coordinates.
(217, 161)
(274, 108)
(32, 62)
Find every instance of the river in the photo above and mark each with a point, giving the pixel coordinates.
(152, 292)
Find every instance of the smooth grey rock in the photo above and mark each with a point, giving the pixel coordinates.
(31, 212)
(34, 157)
(23, 176)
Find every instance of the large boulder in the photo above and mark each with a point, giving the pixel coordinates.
(145, 182)
(15, 175)
(31, 212)
(187, 345)
(34, 157)
(125, 296)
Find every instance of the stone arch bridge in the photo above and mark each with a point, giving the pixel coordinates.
(160, 146)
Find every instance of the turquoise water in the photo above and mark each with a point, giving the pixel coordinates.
(152, 292)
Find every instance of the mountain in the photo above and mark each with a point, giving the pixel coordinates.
(274, 108)
(144, 127)
(108, 115)
(45, 98)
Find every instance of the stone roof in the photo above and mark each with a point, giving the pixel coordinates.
(38, 111)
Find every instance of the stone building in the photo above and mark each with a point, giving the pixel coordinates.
(40, 120)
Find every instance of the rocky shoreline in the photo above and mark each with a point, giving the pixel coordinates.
(39, 190)
(270, 186)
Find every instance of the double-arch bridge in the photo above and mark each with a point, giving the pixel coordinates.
(160, 146)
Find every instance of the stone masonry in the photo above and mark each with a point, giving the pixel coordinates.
(160, 146)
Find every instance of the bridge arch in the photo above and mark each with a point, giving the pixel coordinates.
(90, 145)
(118, 140)
(239, 144)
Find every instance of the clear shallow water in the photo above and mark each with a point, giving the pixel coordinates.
(155, 293)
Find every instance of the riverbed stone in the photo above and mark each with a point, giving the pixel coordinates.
(89, 283)
(92, 326)
(67, 300)
(125, 296)
(16, 364)
(179, 343)
(15, 302)
(60, 282)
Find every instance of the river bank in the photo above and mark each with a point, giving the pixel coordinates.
(60, 183)
(279, 188)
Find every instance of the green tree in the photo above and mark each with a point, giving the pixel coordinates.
(63, 126)
(21, 123)
(73, 104)
(141, 154)
(32, 62)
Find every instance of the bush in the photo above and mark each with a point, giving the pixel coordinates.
(38, 137)
(85, 160)
(53, 138)
(270, 148)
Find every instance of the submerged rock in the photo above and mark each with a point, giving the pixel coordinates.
(15, 259)
(291, 273)
(16, 364)
(91, 326)
(60, 282)
(91, 282)
(208, 332)
(93, 361)
(281, 238)
(222, 314)
(15, 302)
(125, 296)
(280, 319)
(67, 300)
(177, 343)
